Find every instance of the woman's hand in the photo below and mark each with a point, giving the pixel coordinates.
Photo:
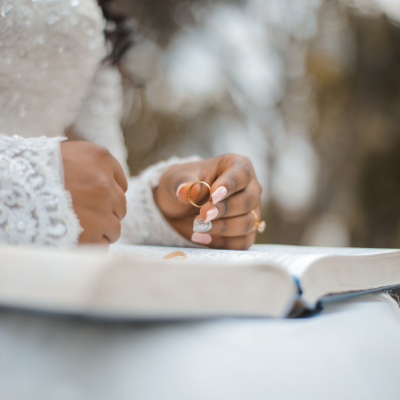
(97, 185)
(235, 192)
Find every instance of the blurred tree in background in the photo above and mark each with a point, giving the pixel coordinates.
(355, 65)
(308, 90)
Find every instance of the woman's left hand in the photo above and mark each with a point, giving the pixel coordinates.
(235, 192)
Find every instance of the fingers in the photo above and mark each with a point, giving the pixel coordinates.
(240, 203)
(113, 229)
(235, 172)
(231, 227)
(105, 241)
(97, 184)
(119, 174)
(119, 208)
(224, 242)
(106, 230)
(232, 243)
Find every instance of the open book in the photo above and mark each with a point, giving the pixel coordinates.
(136, 282)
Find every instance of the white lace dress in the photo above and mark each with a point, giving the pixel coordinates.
(52, 77)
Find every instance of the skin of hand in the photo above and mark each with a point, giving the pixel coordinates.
(97, 185)
(235, 192)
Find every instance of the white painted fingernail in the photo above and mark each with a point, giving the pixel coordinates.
(219, 194)
(211, 214)
(202, 238)
(179, 188)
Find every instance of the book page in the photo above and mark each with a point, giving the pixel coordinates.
(87, 281)
(295, 259)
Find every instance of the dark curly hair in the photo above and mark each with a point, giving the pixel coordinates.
(120, 31)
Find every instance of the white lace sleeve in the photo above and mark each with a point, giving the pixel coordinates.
(34, 206)
(98, 116)
(144, 223)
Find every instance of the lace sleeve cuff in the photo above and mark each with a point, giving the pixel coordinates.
(144, 223)
(34, 206)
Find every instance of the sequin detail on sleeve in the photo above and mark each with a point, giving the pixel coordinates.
(34, 206)
(99, 115)
(49, 52)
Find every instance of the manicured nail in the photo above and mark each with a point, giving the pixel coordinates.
(219, 194)
(211, 214)
(200, 226)
(179, 188)
(202, 238)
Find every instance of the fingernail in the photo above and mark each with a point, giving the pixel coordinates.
(211, 214)
(219, 194)
(200, 226)
(179, 188)
(201, 238)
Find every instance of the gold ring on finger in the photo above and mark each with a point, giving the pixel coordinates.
(260, 226)
(190, 190)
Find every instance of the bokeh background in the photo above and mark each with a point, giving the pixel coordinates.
(309, 90)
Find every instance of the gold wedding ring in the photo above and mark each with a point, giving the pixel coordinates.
(260, 226)
(190, 190)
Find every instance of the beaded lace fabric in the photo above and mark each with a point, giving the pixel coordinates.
(34, 207)
(49, 51)
(52, 77)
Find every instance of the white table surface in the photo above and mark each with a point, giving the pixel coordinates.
(350, 351)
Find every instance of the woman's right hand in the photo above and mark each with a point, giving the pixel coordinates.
(97, 185)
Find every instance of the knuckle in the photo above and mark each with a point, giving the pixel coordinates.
(248, 242)
(100, 151)
(238, 158)
(224, 225)
(224, 243)
(124, 209)
(248, 163)
(103, 151)
(230, 156)
(249, 203)
(235, 246)
(103, 188)
(121, 213)
(118, 227)
(116, 232)
(230, 245)
(250, 223)
(223, 208)
(245, 164)
(248, 170)
(121, 196)
(234, 182)
(238, 244)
